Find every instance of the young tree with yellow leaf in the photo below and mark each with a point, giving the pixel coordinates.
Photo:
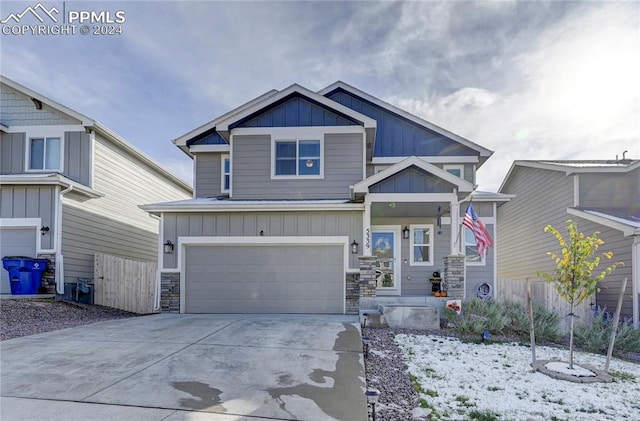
(575, 277)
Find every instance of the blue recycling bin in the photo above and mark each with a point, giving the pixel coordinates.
(25, 273)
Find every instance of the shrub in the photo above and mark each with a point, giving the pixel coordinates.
(595, 336)
(478, 315)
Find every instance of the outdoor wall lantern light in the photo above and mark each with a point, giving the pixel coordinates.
(354, 247)
(44, 230)
(168, 247)
(405, 233)
(372, 397)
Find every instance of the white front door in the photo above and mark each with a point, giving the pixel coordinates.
(385, 245)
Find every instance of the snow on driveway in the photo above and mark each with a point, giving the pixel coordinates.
(458, 378)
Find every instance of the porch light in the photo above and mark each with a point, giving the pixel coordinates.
(354, 247)
(44, 230)
(168, 247)
(405, 233)
(372, 397)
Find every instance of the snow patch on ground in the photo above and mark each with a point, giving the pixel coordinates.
(564, 368)
(457, 378)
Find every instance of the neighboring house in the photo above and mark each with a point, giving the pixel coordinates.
(294, 186)
(71, 188)
(599, 195)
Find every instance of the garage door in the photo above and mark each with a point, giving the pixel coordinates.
(264, 279)
(15, 242)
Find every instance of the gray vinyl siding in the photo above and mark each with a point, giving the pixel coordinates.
(615, 242)
(274, 224)
(208, 167)
(610, 189)
(31, 202)
(542, 198)
(19, 110)
(86, 233)
(12, 153)
(77, 157)
(251, 170)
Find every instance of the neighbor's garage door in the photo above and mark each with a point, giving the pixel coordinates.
(264, 279)
(15, 242)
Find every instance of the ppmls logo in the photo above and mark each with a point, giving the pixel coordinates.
(42, 20)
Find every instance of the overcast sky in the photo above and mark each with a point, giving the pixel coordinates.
(528, 80)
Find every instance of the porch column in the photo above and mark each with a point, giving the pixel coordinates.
(455, 228)
(366, 228)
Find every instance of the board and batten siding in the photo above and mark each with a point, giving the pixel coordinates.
(273, 224)
(609, 189)
(12, 152)
(542, 198)
(31, 202)
(77, 157)
(251, 169)
(208, 173)
(19, 110)
(615, 242)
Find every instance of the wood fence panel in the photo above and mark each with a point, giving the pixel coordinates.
(542, 293)
(124, 284)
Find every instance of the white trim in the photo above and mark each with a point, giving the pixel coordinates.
(364, 156)
(455, 226)
(635, 280)
(626, 230)
(55, 179)
(407, 115)
(411, 197)
(92, 160)
(461, 185)
(412, 227)
(43, 132)
(45, 129)
(160, 254)
(223, 173)
(459, 167)
(297, 140)
(209, 148)
(431, 159)
(495, 250)
(184, 242)
(223, 124)
(397, 264)
(306, 132)
(231, 141)
(232, 206)
(34, 223)
(576, 190)
(366, 230)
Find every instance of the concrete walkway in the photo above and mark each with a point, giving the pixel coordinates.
(195, 367)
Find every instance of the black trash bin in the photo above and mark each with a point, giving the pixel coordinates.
(25, 273)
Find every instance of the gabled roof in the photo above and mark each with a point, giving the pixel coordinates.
(363, 186)
(99, 128)
(626, 220)
(483, 152)
(576, 166)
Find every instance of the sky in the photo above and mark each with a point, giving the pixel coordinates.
(528, 80)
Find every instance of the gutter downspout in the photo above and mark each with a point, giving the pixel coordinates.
(59, 258)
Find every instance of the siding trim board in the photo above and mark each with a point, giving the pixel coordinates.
(627, 229)
(184, 242)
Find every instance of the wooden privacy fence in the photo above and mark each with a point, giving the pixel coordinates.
(542, 293)
(124, 284)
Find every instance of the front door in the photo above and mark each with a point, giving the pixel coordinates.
(386, 247)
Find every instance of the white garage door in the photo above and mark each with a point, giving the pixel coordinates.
(15, 242)
(264, 279)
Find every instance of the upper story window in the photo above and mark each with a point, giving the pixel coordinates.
(297, 158)
(226, 173)
(45, 153)
(457, 170)
(421, 250)
(471, 250)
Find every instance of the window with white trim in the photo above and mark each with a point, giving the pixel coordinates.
(473, 258)
(225, 175)
(45, 153)
(297, 158)
(457, 170)
(421, 247)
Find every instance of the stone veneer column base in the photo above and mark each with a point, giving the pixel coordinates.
(170, 292)
(368, 276)
(454, 276)
(353, 293)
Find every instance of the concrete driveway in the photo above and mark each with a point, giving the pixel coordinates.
(188, 367)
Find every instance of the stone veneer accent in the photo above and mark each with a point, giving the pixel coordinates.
(48, 285)
(353, 293)
(453, 277)
(170, 292)
(367, 276)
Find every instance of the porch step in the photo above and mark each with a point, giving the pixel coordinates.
(373, 318)
(412, 317)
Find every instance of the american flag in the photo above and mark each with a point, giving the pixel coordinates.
(483, 239)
